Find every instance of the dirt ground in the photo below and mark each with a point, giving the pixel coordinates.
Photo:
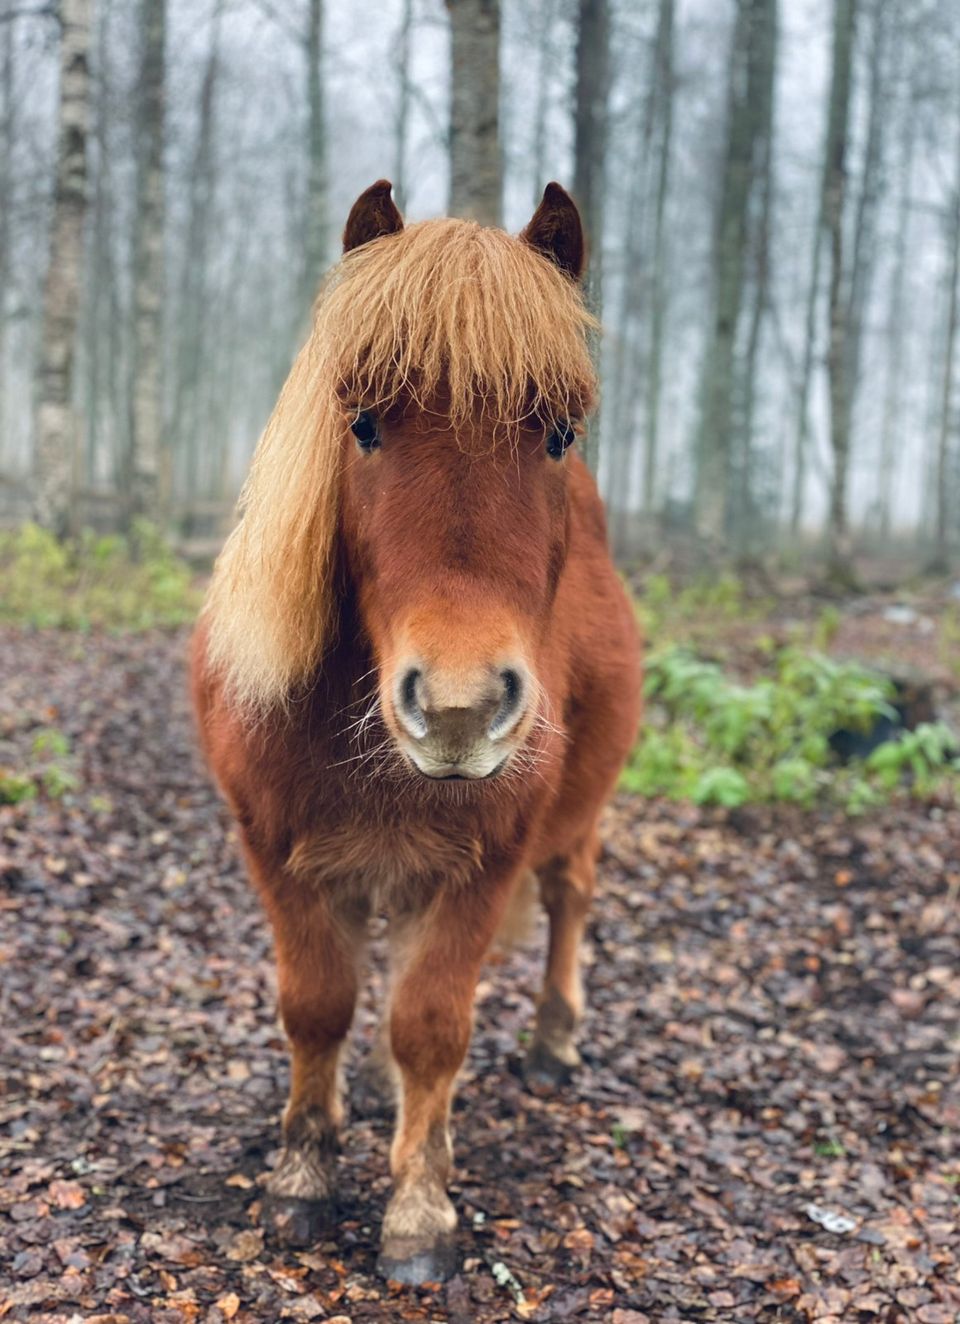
(767, 1126)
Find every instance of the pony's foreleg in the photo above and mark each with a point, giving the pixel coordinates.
(430, 1021)
(566, 887)
(318, 945)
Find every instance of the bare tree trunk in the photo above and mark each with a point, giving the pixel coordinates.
(192, 311)
(840, 569)
(148, 492)
(896, 320)
(633, 386)
(941, 555)
(476, 167)
(56, 437)
(802, 421)
(103, 328)
(658, 300)
(755, 18)
(590, 156)
(545, 58)
(316, 247)
(590, 127)
(8, 129)
(764, 54)
(863, 255)
(401, 128)
(629, 348)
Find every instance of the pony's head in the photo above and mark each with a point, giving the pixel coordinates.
(416, 456)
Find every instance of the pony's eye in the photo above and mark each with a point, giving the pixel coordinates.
(562, 436)
(364, 428)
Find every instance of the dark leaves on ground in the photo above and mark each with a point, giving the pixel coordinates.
(765, 1127)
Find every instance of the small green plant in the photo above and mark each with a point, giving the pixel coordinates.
(924, 754)
(666, 611)
(50, 769)
(108, 581)
(721, 786)
(831, 1148)
(15, 787)
(826, 627)
(51, 743)
(948, 646)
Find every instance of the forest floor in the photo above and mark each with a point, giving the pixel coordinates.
(767, 1125)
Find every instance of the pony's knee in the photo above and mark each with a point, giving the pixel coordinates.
(315, 1023)
(429, 1033)
(567, 886)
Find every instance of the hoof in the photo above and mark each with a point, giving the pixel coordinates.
(405, 1262)
(543, 1067)
(294, 1223)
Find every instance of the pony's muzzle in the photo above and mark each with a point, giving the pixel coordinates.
(457, 724)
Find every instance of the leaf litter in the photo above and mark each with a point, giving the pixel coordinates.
(772, 1029)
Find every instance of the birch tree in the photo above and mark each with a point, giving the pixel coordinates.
(147, 493)
(57, 432)
(476, 167)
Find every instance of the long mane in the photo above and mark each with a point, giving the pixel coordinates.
(442, 304)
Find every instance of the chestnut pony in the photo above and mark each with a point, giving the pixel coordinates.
(417, 674)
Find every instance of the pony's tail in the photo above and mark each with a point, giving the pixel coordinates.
(519, 920)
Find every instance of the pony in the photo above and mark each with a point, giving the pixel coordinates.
(417, 676)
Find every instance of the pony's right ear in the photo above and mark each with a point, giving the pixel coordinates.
(373, 215)
(555, 231)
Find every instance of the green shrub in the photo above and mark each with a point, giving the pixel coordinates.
(714, 740)
(97, 580)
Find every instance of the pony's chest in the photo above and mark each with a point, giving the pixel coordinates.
(386, 861)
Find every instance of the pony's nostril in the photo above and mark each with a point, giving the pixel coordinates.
(411, 709)
(510, 704)
(512, 684)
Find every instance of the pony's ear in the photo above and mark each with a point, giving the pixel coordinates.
(556, 232)
(372, 215)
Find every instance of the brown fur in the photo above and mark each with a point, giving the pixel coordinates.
(462, 543)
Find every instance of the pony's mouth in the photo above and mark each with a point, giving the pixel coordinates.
(462, 776)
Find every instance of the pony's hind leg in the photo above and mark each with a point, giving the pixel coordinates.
(377, 1080)
(376, 1084)
(567, 884)
(318, 947)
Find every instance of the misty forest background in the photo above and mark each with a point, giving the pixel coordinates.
(771, 188)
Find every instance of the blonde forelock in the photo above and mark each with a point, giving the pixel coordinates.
(442, 305)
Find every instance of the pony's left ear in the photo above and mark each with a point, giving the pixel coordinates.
(556, 232)
(373, 215)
